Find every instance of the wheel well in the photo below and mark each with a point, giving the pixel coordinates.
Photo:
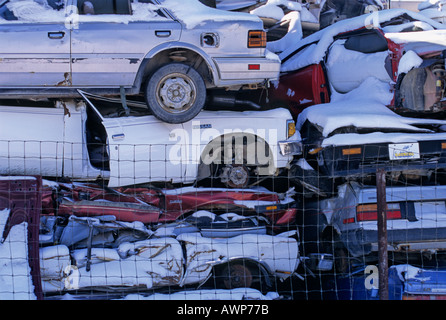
(248, 149)
(329, 234)
(180, 55)
(261, 271)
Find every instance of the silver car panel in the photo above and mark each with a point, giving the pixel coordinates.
(47, 64)
(61, 50)
(99, 61)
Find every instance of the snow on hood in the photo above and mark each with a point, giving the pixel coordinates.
(364, 107)
(319, 42)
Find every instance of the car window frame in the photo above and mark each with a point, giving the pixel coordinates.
(163, 14)
(18, 21)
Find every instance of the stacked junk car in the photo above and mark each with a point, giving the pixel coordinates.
(222, 150)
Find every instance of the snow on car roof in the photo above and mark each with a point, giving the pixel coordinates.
(365, 107)
(191, 12)
(319, 42)
(429, 4)
(421, 41)
(273, 8)
(351, 139)
(194, 13)
(40, 11)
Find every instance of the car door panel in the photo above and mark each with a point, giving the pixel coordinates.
(109, 50)
(38, 150)
(36, 55)
(144, 149)
(304, 88)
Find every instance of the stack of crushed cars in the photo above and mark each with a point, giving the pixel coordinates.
(93, 239)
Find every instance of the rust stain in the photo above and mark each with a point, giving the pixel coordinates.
(196, 253)
(66, 82)
(159, 248)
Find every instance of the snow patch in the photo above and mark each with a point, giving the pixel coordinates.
(409, 61)
(15, 273)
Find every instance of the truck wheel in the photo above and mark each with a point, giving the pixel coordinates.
(175, 93)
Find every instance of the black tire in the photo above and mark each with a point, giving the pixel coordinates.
(175, 93)
(340, 254)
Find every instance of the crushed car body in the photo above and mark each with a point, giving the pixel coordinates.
(389, 45)
(159, 262)
(348, 221)
(355, 134)
(79, 254)
(153, 205)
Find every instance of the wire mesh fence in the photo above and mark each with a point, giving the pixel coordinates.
(297, 234)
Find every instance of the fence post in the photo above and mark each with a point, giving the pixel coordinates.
(382, 235)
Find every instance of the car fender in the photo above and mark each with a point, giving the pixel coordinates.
(202, 253)
(264, 270)
(209, 128)
(143, 70)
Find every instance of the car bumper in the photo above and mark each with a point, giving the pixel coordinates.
(360, 241)
(237, 71)
(338, 162)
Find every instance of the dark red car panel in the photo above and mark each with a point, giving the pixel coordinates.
(301, 89)
(22, 196)
(155, 206)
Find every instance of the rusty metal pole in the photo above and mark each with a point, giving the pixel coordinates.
(382, 235)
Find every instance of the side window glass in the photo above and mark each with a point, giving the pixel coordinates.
(118, 11)
(366, 43)
(34, 11)
(99, 7)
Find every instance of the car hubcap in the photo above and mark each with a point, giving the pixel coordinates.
(235, 176)
(176, 93)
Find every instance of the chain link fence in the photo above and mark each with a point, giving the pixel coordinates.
(293, 235)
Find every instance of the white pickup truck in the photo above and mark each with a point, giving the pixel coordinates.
(91, 138)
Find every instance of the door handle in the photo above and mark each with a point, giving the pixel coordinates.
(162, 33)
(56, 35)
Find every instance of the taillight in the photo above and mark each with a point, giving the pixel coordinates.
(256, 39)
(369, 212)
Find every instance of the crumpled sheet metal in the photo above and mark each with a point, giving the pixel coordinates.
(149, 263)
(278, 253)
(153, 205)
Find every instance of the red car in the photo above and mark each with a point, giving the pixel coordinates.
(151, 206)
(402, 48)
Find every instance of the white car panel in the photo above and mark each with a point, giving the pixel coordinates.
(140, 149)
